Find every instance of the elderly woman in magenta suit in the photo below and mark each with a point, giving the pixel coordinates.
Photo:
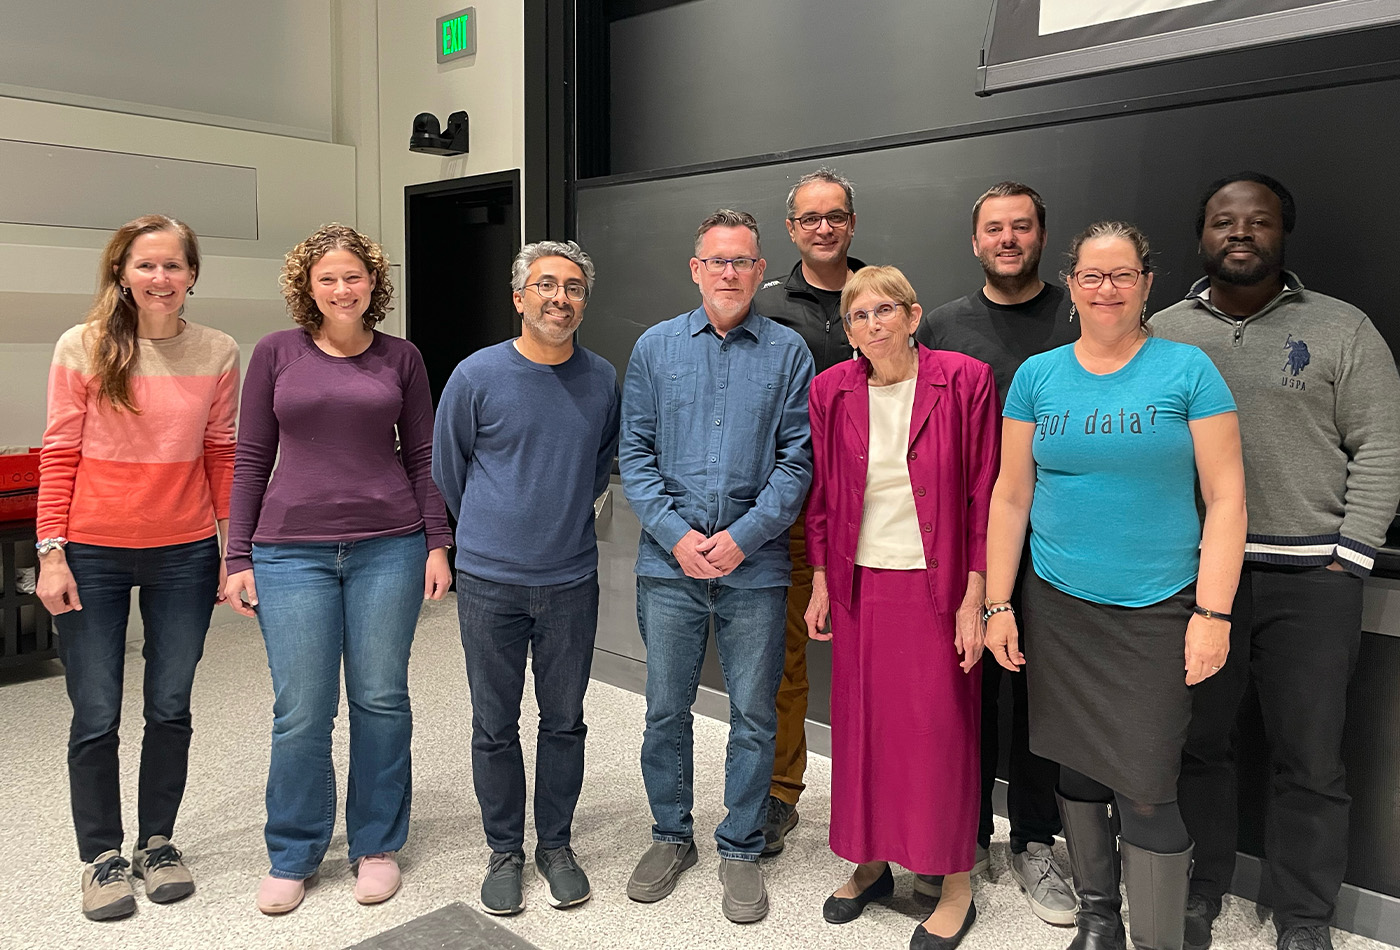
(905, 441)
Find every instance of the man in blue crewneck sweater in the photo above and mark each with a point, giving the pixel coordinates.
(524, 442)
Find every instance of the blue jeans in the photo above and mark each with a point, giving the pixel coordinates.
(557, 624)
(319, 602)
(178, 585)
(674, 618)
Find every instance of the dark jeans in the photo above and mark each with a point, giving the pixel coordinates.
(178, 585)
(1030, 792)
(557, 625)
(1297, 632)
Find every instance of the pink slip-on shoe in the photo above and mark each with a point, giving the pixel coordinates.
(377, 878)
(280, 895)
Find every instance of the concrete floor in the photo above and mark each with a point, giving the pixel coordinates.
(220, 832)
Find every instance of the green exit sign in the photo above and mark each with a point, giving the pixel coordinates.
(455, 35)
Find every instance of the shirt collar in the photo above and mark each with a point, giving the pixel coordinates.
(697, 322)
(797, 282)
(1200, 291)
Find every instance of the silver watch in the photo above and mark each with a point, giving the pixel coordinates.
(50, 544)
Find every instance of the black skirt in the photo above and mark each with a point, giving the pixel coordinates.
(1107, 688)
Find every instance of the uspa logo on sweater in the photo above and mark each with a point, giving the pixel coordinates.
(1298, 359)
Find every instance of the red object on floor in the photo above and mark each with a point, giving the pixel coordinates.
(19, 486)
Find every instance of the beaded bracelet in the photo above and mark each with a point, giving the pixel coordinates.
(999, 609)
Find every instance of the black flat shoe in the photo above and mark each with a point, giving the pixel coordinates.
(923, 940)
(843, 910)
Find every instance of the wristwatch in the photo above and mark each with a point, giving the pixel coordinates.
(49, 544)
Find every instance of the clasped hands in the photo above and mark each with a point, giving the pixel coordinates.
(701, 557)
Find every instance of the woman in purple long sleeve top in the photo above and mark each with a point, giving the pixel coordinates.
(335, 552)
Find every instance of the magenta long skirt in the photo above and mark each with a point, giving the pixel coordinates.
(905, 729)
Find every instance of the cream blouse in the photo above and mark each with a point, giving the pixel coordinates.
(889, 527)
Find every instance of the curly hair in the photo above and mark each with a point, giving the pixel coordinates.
(296, 274)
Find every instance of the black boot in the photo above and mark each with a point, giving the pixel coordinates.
(1091, 833)
(1157, 887)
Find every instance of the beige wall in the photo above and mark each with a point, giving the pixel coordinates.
(489, 86)
(382, 73)
(47, 274)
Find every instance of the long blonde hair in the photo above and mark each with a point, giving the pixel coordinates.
(110, 334)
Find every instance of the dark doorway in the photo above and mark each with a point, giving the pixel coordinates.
(461, 236)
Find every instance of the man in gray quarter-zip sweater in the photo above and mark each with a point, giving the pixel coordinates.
(1319, 406)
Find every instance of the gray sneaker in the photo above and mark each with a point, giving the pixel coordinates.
(159, 864)
(1049, 894)
(931, 885)
(656, 873)
(745, 897)
(779, 820)
(568, 885)
(501, 893)
(107, 892)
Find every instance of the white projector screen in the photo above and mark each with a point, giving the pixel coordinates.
(1030, 42)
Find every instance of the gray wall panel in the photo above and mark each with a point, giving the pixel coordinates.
(712, 80)
(913, 203)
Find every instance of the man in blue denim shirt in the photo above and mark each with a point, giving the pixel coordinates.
(716, 459)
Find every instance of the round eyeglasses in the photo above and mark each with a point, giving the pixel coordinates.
(1123, 279)
(549, 289)
(836, 219)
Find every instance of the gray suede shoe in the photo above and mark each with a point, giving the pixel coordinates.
(107, 892)
(159, 864)
(1045, 887)
(656, 873)
(745, 897)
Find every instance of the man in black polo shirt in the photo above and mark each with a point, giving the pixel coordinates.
(1013, 317)
(821, 220)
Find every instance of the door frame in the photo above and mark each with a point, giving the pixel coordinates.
(451, 186)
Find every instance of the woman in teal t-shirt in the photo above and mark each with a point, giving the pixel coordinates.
(1103, 442)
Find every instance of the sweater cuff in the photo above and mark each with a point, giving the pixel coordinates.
(235, 564)
(1356, 557)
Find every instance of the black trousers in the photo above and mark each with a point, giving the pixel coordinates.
(1030, 793)
(1297, 632)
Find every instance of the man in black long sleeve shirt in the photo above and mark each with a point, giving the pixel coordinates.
(1013, 317)
(821, 221)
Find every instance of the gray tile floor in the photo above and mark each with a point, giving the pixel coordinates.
(220, 832)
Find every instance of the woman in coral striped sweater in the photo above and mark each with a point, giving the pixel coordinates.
(134, 483)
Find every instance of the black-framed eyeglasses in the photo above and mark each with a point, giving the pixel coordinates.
(716, 265)
(881, 312)
(1124, 279)
(810, 222)
(549, 289)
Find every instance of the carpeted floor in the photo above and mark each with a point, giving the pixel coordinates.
(220, 832)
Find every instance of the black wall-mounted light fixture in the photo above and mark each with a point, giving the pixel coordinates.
(429, 139)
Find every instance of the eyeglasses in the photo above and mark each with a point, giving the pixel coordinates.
(549, 289)
(1122, 279)
(716, 265)
(837, 220)
(882, 312)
